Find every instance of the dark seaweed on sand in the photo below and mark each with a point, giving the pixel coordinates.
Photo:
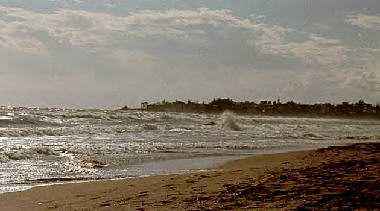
(348, 183)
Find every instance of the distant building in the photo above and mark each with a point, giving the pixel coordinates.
(144, 105)
(266, 102)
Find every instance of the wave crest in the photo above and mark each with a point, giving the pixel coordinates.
(229, 122)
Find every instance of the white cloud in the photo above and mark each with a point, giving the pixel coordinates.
(365, 21)
(21, 42)
(171, 23)
(314, 50)
(89, 29)
(366, 77)
(26, 45)
(173, 54)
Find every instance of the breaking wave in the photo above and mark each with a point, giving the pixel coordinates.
(36, 132)
(4, 122)
(229, 122)
(57, 143)
(24, 154)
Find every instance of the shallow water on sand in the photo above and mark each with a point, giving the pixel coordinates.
(44, 146)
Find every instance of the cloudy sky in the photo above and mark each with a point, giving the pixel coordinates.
(108, 53)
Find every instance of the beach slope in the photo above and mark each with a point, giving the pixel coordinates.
(328, 178)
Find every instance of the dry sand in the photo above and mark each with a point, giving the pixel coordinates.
(332, 178)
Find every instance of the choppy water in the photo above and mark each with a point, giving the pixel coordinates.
(53, 145)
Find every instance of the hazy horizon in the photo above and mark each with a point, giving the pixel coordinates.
(107, 54)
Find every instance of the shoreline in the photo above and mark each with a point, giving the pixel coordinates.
(233, 185)
(206, 167)
(208, 163)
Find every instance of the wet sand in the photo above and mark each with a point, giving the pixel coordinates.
(344, 177)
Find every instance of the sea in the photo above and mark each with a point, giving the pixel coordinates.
(44, 146)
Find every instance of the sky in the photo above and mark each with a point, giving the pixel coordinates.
(111, 53)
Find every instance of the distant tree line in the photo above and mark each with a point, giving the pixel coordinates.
(290, 108)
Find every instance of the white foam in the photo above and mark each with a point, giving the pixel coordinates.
(229, 122)
(38, 147)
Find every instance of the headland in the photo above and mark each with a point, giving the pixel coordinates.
(359, 109)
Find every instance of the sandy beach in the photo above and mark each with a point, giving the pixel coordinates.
(344, 177)
(189, 105)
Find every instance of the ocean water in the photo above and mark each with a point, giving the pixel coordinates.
(40, 146)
